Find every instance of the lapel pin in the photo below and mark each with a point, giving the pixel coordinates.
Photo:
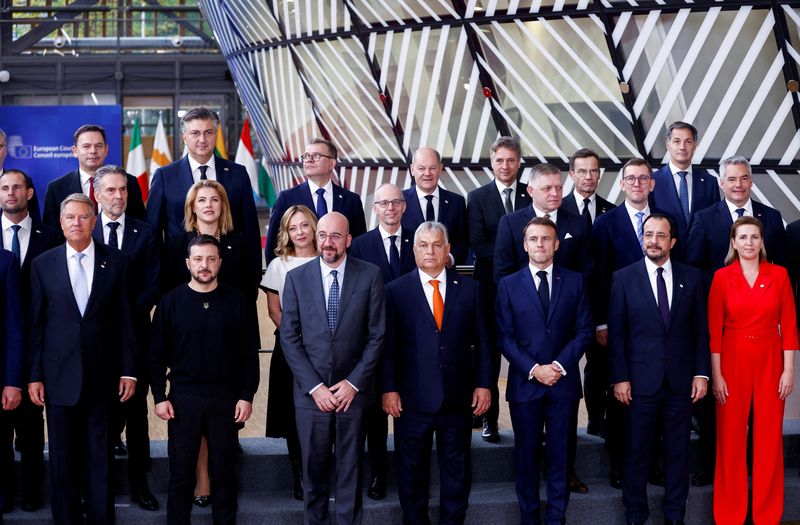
(341, 197)
(135, 230)
(681, 285)
(225, 169)
(455, 282)
(205, 306)
(229, 246)
(446, 202)
(103, 264)
(37, 231)
(702, 179)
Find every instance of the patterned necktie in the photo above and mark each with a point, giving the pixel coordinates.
(203, 169)
(639, 228)
(394, 256)
(112, 234)
(663, 300)
(430, 216)
(322, 206)
(740, 212)
(15, 247)
(683, 194)
(80, 288)
(91, 194)
(586, 214)
(507, 200)
(544, 291)
(438, 304)
(333, 302)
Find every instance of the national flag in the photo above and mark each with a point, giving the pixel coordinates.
(265, 188)
(219, 148)
(136, 165)
(244, 155)
(161, 152)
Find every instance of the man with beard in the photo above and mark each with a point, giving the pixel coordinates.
(209, 395)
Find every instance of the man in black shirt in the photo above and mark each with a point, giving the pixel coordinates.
(202, 332)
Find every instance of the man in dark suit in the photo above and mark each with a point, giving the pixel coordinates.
(137, 240)
(660, 364)
(82, 356)
(33, 205)
(681, 189)
(426, 201)
(485, 206)
(584, 170)
(544, 327)
(90, 148)
(617, 242)
(332, 333)
(706, 250)
(389, 247)
(435, 376)
(546, 189)
(11, 372)
(171, 183)
(32, 239)
(319, 161)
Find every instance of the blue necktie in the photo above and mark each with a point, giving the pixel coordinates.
(15, 248)
(333, 302)
(322, 206)
(544, 291)
(394, 256)
(663, 301)
(112, 234)
(683, 194)
(81, 285)
(740, 212)
(430, 215)
(639, 228)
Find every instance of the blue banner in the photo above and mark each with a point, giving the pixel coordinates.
(40, 138)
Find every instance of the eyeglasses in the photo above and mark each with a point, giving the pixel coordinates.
(305, 157)
(386, 203)
(582, 172)
(630, 180)
(335, 237)
(208, 134)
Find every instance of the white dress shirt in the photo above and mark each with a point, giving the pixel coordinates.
(748, 209)
(328, 195)
(24, 235)
(677, 180)
(86, 187)
(539, 213)
(423, 202)
(105, 219)
(427, 287)
(387, 241)
(632, 216)
(592, 204)
(211, 172)
(87, 262)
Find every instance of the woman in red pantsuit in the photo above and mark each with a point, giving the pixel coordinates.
(751, 318)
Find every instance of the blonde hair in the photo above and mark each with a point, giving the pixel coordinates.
(285, 246)
(225, 223)
(733, 255)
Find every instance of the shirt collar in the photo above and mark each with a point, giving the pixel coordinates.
(579, 198)
(748, 206)
(84, 177)
(535, 269)
(25, 223)
(106, 219)
(675, 169)
(421, 195)
(539, 213)
(652, 267)
(313, 186)
(425, 278)
(89, 251)
(385, 235)
(633, 211)
(193, 164)
(501, 187)
(326, 270)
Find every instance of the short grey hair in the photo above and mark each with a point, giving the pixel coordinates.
(734, 160)
(438, 155)
(543, 169)
(108, 169)
(199, 113)
(430, 226)
(509, 143)
(76, 197)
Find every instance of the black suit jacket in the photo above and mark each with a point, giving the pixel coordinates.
(452, 213)
(80, 359)
(43, 238)
(601, 205)
(484, 209)
(369, 247)
(64, 186)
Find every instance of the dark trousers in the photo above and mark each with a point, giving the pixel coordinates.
(707, 422)
(529, 420)
(80, 456)
(616, 422)
(132, 415)
(493, 413)
(671, 412)
(377, 427)
(319, 433)
(413, 439)
(595, 382)
(9, 477)
(28, 422)
(211, 416)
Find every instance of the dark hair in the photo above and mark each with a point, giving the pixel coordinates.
(681, 125)
(507, 143)
(203, 240)
(86, 128)
(673, 228)
(199, 113)
(28, 180)
(636, 162)
(583, 153)
(540, 221)
(331, 148)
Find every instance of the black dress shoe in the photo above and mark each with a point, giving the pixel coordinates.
(120, 449)
(678, 522)
(377, 489)
(31, 504)
(595, 430)
(477, 422)
(202, 501)
(144, 498)
(615, 480)
(490, 433)
(576, 485)
(701, 479)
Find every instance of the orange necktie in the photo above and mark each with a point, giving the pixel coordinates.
(438, 304)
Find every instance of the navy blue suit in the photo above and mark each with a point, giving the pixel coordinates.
(573, 250)
(369, 247)
(660, 361)
(435, 372)
(528, 335)
(601, 205)
(344, 201)
(452, 213)
(64, 186)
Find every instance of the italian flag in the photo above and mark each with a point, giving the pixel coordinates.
(136, 165)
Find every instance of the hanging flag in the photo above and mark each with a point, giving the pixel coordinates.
(219, 148)
(136, 165)
(265, 188)
(244, 156)
(161, 152)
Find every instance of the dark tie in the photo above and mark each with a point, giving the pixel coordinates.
(322, 206)
(15, 248)
(507, 200)
(112, 234)
(394, 256)
(430, 216)
(640, 228)
(544, 291)
(587, 215)
(740, 212)
(683, 194)
(333, 302)
(91, 193)
(663, 301)
(203, 170)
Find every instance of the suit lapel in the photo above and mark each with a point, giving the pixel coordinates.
(451, 297)
(75, 182)
(222, 172)
(348, 286)
(623, 230)
(406, 250)
(418, 295)
(318, 291)
(677, 291)
(185, 173)
(529, 285)
(338, 198)
(444, 207)
(521, 198)
(642, 283)
(698, 189)
(555, 291)
(97, 233)
(130, 237)
(99, 279)
(61, 275)
(412, 206)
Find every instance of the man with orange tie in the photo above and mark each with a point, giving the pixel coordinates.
(436, 375)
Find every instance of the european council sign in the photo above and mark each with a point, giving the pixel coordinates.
(40, 138)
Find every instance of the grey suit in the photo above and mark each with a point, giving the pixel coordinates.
(315, 356)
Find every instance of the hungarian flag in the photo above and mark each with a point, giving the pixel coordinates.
(136, 165)
(265, 187)
(219, 148)
(244, 156)
(161, 153)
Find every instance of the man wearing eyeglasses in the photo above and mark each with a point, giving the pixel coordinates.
(317, 193)
(171, 183)
(584, 170)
